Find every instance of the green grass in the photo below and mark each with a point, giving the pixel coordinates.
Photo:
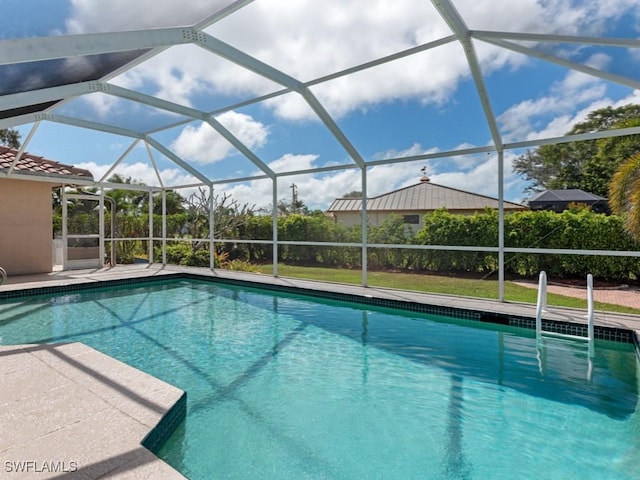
(463, 287)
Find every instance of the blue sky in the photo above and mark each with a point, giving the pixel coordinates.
(420, 104)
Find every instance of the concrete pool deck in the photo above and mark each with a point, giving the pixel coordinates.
(69, 411)
(77, 408)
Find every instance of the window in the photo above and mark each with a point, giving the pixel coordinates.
(412, 219)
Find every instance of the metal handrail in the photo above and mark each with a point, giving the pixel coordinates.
(3, 275)
(541, 304)
(542, 307)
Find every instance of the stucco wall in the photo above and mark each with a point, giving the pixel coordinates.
(25, 227)
(349, 219)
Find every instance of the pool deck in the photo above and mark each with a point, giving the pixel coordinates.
(69, 411)
(76, 408)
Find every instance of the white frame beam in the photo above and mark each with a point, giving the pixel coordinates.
(153, 41)
(36, 49)
(176, 159)
(551, 38)
(579, 67)
(77, 122)
(459, 28)
(252, 64)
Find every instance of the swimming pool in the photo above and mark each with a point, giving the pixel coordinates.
(285, 386)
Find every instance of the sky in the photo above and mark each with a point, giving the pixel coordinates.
(425, 103)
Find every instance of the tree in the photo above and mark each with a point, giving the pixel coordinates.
(128, 201)
(10, 137)
(587, 165)
(611, 153)
(228, 216)
(391, 230)
(173, 200)
(353, 194)
(289, 208)
(539, 167)
(624, 194)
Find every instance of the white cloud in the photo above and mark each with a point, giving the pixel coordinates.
(89, 16)
(307, 39)
(552, 115)
(143, 172)
(482, 177)
(290, 162)
(317, 191)
(249, 131)
(202, 144)
(182, 73)
(633, 97)
(102, 104)
(461, 162)
(430, 78)
(178, 73)
(574, 80)
(289, 38)
(544, 16)
(413, 150)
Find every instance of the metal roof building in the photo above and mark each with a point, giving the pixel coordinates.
(412, 203)
(425, 197)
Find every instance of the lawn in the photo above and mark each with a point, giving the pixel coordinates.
(463, 287)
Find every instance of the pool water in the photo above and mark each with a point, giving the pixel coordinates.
(287, 387)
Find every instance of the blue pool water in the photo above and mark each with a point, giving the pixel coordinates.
(287, 387)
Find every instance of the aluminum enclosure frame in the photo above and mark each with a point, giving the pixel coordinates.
(151, 42)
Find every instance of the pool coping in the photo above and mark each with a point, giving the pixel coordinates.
(608, 326)
(68, 410)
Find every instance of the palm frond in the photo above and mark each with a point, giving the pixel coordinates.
(624, 194)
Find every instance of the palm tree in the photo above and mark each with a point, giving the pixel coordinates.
(624, 194)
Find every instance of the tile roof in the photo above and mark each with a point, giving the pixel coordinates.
(34, 165)
(422, 196)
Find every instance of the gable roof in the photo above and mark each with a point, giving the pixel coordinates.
(568, 195)
(39, 166)
(422, 196)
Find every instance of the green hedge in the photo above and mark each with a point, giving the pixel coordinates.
(578, 229)
(573, 229)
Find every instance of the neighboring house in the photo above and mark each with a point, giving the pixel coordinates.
(412, 203)
(25, 209)
(559, 200)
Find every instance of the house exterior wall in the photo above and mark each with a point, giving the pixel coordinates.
(375, 218)
(25, 227)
